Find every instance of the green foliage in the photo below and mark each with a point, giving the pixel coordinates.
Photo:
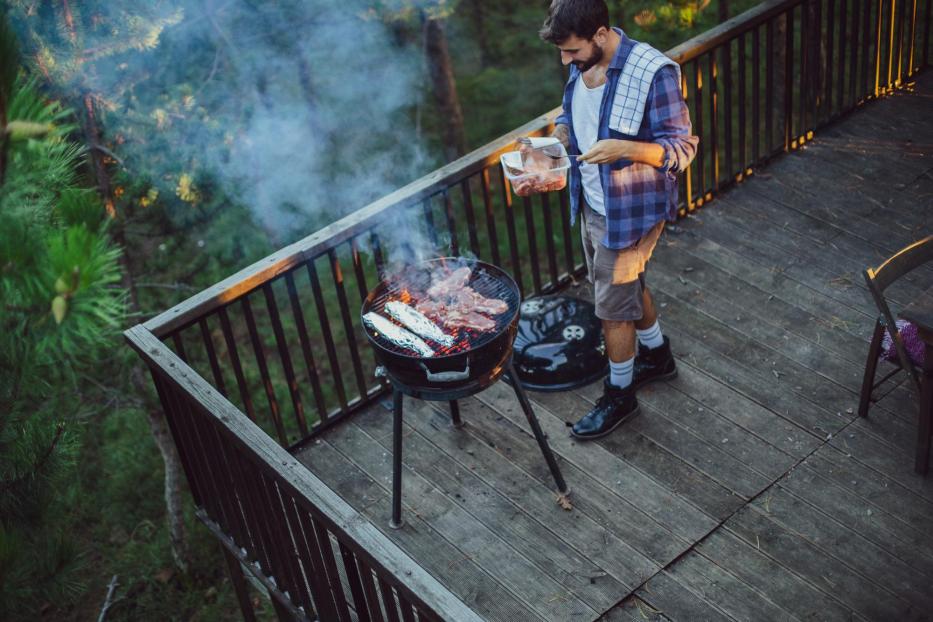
(412, 10)
(58, 310)
(28, 104)
(80, 207)
(40, 166)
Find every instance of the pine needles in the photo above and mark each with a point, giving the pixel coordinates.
(60, 307)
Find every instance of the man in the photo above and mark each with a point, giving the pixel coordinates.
(624, 112)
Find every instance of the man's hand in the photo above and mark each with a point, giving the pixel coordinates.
(611, 150)
(605, 151)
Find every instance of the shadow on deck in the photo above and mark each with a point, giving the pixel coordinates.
(748, 488)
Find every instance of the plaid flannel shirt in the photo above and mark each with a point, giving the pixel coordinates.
(637, 195)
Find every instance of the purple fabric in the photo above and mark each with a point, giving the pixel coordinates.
(637, 195)
(912, 343)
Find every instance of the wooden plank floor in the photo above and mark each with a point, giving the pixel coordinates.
(747, 489)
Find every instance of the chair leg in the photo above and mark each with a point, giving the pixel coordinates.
(871, 365)
(537, 431)
(396, 522)
(925, 426)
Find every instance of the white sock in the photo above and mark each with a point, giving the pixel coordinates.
(620, 374)
(651, 337)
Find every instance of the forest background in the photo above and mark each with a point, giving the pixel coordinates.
(150, 148)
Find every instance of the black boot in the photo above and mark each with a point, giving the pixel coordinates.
(653, 364)
(615, 407)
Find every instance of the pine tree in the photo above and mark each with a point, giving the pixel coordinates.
(58, 313)
(429, 20)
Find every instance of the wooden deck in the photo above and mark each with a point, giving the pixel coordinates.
(748, 488)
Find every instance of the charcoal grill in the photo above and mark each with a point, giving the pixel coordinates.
(472, 363)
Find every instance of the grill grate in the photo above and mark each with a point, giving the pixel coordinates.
(410, 287)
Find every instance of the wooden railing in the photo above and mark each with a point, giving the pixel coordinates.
(762, 82)
(281, 339)
(318, 558)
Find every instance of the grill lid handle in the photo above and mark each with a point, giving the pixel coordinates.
(446, 376)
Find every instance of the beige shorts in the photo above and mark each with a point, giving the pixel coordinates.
(618, 276)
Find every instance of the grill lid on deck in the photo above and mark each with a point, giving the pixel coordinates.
(559, 345)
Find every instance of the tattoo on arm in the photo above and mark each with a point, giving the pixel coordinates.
(562, 133)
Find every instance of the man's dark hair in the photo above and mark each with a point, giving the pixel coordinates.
(574, 17)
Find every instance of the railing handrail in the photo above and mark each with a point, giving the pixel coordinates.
(729, 29)
(336, 513)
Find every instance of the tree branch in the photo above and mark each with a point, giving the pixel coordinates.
(108, 152)
(108, 601)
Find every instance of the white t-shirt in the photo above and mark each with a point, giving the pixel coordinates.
(585, 111)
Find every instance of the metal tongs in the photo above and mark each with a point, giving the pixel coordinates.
(552, 151)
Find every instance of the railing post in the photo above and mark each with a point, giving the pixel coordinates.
(283, 614)
(788, 78)
(240, 587)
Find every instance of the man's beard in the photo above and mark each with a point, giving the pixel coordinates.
(594, 58)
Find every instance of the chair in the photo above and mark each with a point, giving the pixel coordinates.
(878, 280)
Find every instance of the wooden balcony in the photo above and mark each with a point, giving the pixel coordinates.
(747, 489)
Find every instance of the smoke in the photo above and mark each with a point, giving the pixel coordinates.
(302, 111)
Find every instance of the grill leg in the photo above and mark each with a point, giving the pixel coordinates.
(396, 522)
(455, 414)
(536, 429)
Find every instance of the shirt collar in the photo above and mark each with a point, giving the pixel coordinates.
(618, 59)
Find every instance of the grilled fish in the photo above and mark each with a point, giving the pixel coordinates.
(417, 322)
(396, 334)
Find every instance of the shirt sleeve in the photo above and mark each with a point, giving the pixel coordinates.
(562, 118)
(670, 121)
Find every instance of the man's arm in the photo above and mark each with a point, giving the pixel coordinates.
(673, 147)
(562, 133)
(610, 150)
(670, 122)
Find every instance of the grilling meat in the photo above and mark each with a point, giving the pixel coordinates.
(453, 304)
(469, 298)
(454, 316)
(450, 283)
(537, 184)
(539, 175)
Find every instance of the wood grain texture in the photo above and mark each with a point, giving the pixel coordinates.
(745, 489)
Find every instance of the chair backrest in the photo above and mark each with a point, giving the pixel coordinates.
(880, 278)
(900, 263)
